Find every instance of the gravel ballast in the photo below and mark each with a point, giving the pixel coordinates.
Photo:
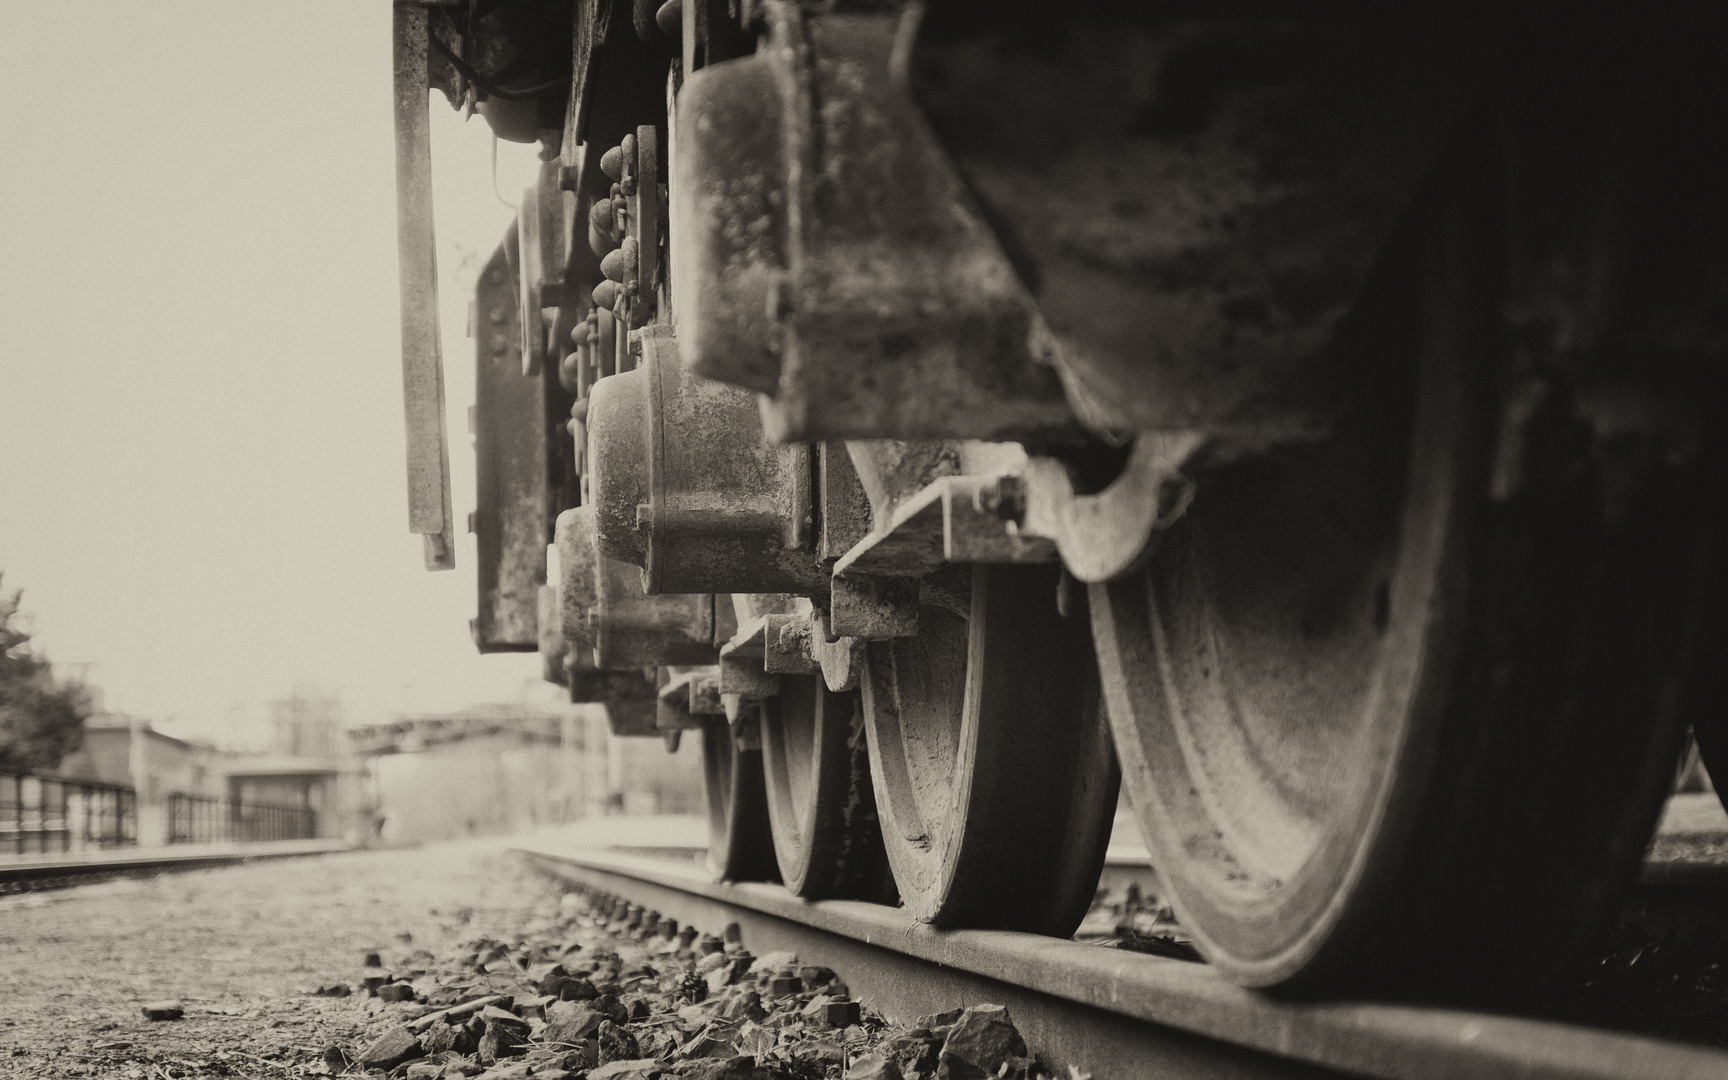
(448, 961)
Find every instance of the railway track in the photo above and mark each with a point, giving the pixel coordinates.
(1118, 1014)
(36, 875)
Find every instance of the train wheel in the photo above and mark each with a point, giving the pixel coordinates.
(1389, 722)
(995, 780)
(739, 847)
(820, 804)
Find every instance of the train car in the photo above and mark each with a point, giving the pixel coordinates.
(1304, 417)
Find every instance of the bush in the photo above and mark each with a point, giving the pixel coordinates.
(41, 717)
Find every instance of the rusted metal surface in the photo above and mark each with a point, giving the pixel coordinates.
(952, 520)
(841, 502)
(707, 35)
(892, 470)
(607, 53)
(643, 175)
(685, 486)
(512, 495)
(789, 644)
(578, 574)
(799, 642)
(539, 265)
(742, 671)
(631, 707)
(688, 695)
(786, 635)
(830, 257)
(625, 230)
(1118, 1014)
(636, 629)
(939, 502)
(429, 512)
(508, 62)
(1617, 249)
(578, 606)
(1101, 535)
(602, 607)
(873, 608)
(705, 693)
(1195, 202)
(554, 650)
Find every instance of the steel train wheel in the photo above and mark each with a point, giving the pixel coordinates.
(821, 807)
(739, 848)
(994, 775)
(1383, 729)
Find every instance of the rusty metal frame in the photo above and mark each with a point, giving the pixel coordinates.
(685, 486)
(830, 256)
(429, 512)
(952, 520)
(513, 500)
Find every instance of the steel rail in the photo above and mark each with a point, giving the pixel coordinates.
(1117, 1014)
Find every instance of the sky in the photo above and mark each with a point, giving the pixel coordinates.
(202, 485)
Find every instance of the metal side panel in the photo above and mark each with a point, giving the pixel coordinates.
(512, 518)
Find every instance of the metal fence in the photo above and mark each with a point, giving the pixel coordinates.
(194, 819)
(41, 814)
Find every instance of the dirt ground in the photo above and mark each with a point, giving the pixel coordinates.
(240, 948)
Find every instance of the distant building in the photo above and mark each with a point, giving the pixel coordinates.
(492, 769)
(126, 750)
(307, 723)
(303, 783)
(121, 749)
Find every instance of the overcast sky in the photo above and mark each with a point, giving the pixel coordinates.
(201, 451)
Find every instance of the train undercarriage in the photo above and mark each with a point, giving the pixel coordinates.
(950, 413)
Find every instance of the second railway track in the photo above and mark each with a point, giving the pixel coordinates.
(1117, 1014)
(48, 873)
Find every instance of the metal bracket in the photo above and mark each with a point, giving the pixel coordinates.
(798, 644)
(874, 608)
(602, 605)
(954, 519)
(554, 650)
(631, 707)
(689, 694)
(742, 667)
(1103, 535)
(512, 512)
(788, 645)
(1029, 517)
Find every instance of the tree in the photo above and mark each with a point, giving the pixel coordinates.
(41, 717)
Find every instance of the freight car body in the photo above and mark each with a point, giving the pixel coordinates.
(932, 405)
